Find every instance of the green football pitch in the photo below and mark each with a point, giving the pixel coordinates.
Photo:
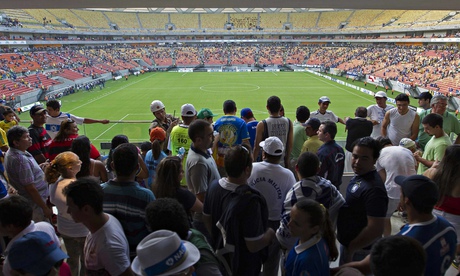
(126, 102)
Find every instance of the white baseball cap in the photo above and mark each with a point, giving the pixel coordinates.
(273, 146)
(380, 94)
(156, 106)
(188, 110)
(324, 99)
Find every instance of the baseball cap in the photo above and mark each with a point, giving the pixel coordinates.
(2, 102)
(157, 133)
(205, 113)
(156, 106)
(380, 94)
(313, 122)
(246, 113)
(36, 109)
(35, 253)
(406, 143)
(421, 190)
(324, 99)
(424, 96)
(273, 146)
(188, 110)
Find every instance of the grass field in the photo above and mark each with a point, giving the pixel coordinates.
(130, 100)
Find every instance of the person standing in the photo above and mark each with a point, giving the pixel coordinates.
(436, 146)
(251, 123)
(24, 173)
(376, 113)
(400, 122)
(361, 218)
(299, 133)
(41, 140)
(323, 114)
(232, 131)
(424, 100)
(356, 128)
(273, 182)
(124, 198)
(311, 129)
(55, 118)
(330, 154)
(275, 125)
(106, 248)
(163, 120)
(450, 123)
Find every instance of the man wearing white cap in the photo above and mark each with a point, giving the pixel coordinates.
(323, 114)
(179, 134)
(273, 182)
(376, 112)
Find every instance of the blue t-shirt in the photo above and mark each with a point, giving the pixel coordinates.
(252, 125)
(312, 261)
(232, 131)
(152, 165)
(438, 238)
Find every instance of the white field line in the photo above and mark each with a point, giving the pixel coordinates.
(109, 128)
(110, 93)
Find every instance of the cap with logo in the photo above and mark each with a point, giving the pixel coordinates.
(272, 145)
(156, 106)
(205, 113)
(406, 143)
(36, 109)
(246, 113)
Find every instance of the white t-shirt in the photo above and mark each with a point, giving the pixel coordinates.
(377, 113)
(107, 249)
(328, 116)
(273, 182)
(53, 124)
(65, 223)
(39, 226)
(395, 161)
(400, 125)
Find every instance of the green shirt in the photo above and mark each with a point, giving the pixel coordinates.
(299, 138)
(450, 124)
(434, 151)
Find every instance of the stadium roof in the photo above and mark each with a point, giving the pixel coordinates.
(328, 4)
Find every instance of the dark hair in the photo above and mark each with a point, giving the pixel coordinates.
(146, 146)
(229, 106)
(15, 210)
(397, 256)
(383, 141)
(167, 213)
(302, 113)
(274, 104)
(423, 207)
(62, 133)
(125, 159)
(370, 143)
(197, 129)
(54, 104)
(402, 98)
(116, 141)
(237, 159)
(331, 128)
(307, 164)
(433, 120)
(8, 111)
(81, 146)
(15, 133)
(320, 216)
(86, 191)
(361, 112)
(447, 174)
(167, 177)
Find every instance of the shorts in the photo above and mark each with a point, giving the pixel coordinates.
(393, 204)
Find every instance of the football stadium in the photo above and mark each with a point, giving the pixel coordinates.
(108, 62)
